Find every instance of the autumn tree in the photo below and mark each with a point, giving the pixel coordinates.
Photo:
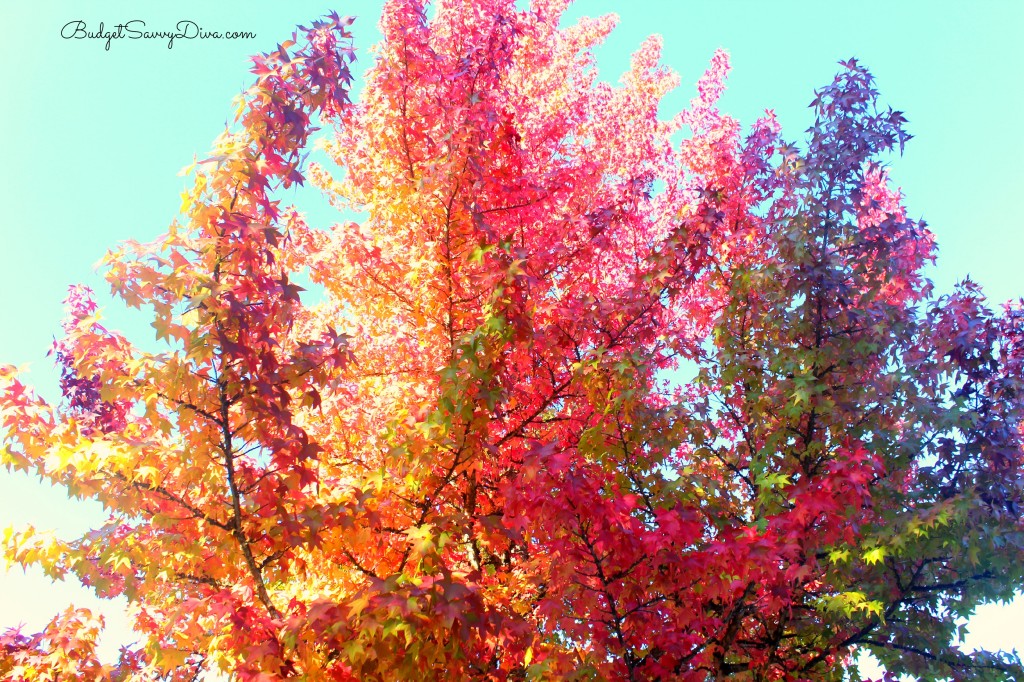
(572, 401)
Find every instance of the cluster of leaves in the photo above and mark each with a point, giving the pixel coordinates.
(496, 469)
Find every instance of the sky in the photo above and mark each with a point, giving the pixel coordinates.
(95, 139)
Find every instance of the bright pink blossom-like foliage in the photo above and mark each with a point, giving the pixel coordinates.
(572, 401)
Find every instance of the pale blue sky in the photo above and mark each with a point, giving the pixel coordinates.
(94, 140)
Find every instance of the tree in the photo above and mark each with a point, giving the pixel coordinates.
(475, 450)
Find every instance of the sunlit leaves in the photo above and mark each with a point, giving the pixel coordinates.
(474, 450)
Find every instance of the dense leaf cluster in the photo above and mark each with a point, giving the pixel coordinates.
(575, 401)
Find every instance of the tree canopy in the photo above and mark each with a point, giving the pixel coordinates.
(588, 393)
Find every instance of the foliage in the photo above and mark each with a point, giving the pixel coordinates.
(479, 454)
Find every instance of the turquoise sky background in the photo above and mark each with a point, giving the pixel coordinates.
(94, 139)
